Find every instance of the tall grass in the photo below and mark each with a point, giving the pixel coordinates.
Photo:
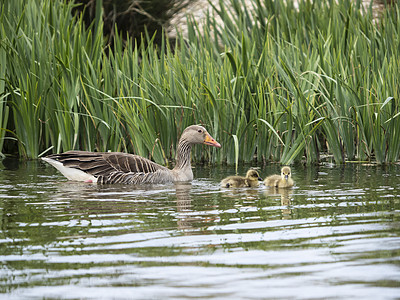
(327, 67)
(272, 82)
(4, 108)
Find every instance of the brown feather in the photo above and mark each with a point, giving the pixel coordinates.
(102, 163)
(117, 167)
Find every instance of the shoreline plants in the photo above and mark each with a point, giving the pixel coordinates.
(272, 82)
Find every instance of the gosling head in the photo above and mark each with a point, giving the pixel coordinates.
(286, 173)
(253, 175)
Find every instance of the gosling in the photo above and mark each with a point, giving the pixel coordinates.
(280, 181)
(251, 180)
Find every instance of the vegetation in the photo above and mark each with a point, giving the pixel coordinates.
(272, 82)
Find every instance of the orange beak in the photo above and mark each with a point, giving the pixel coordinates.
(210, 141)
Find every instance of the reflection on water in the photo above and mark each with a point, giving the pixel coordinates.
(284, 195)
(334, 235)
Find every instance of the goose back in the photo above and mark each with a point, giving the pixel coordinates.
(114, 167)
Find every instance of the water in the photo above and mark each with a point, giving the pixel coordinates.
(335, 235)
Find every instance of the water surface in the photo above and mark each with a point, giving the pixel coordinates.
(334, 235)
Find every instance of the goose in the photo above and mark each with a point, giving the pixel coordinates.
(251, 180)
(118, 167)
(280, 181)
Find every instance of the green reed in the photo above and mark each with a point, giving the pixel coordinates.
(273, 82)
(330, 80)
(4, 108)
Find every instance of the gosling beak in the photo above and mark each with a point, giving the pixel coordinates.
(260, 179)
(286, 177)
(210, 141)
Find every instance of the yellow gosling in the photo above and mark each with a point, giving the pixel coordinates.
(251, 180)
(280, 181)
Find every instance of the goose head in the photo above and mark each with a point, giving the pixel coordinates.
(286, 173)
(253, 175)
(196, 134)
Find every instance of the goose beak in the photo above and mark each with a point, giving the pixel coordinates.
(210, 141)
(286, 177)
(260, 179)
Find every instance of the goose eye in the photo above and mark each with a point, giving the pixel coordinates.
(200, 131)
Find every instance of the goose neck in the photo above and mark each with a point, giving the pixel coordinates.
(183, 155)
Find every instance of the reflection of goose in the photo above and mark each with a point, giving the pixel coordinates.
(251, 180)
(184, 207)
(285, 195)
(183, 198)
(117, 167)
(280, 181)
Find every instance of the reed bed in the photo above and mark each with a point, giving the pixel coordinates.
(273, 82)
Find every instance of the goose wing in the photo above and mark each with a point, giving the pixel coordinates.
(110, 167)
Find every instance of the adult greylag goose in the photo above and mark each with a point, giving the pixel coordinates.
(117, 167)
(251, 180)
(280, 181)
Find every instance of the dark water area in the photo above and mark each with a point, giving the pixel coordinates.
(335, 235)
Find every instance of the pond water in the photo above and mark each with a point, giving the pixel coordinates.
(336, 234)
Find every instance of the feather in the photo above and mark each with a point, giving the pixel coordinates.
(118, 167)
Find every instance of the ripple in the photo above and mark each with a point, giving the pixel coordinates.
(335, 235)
